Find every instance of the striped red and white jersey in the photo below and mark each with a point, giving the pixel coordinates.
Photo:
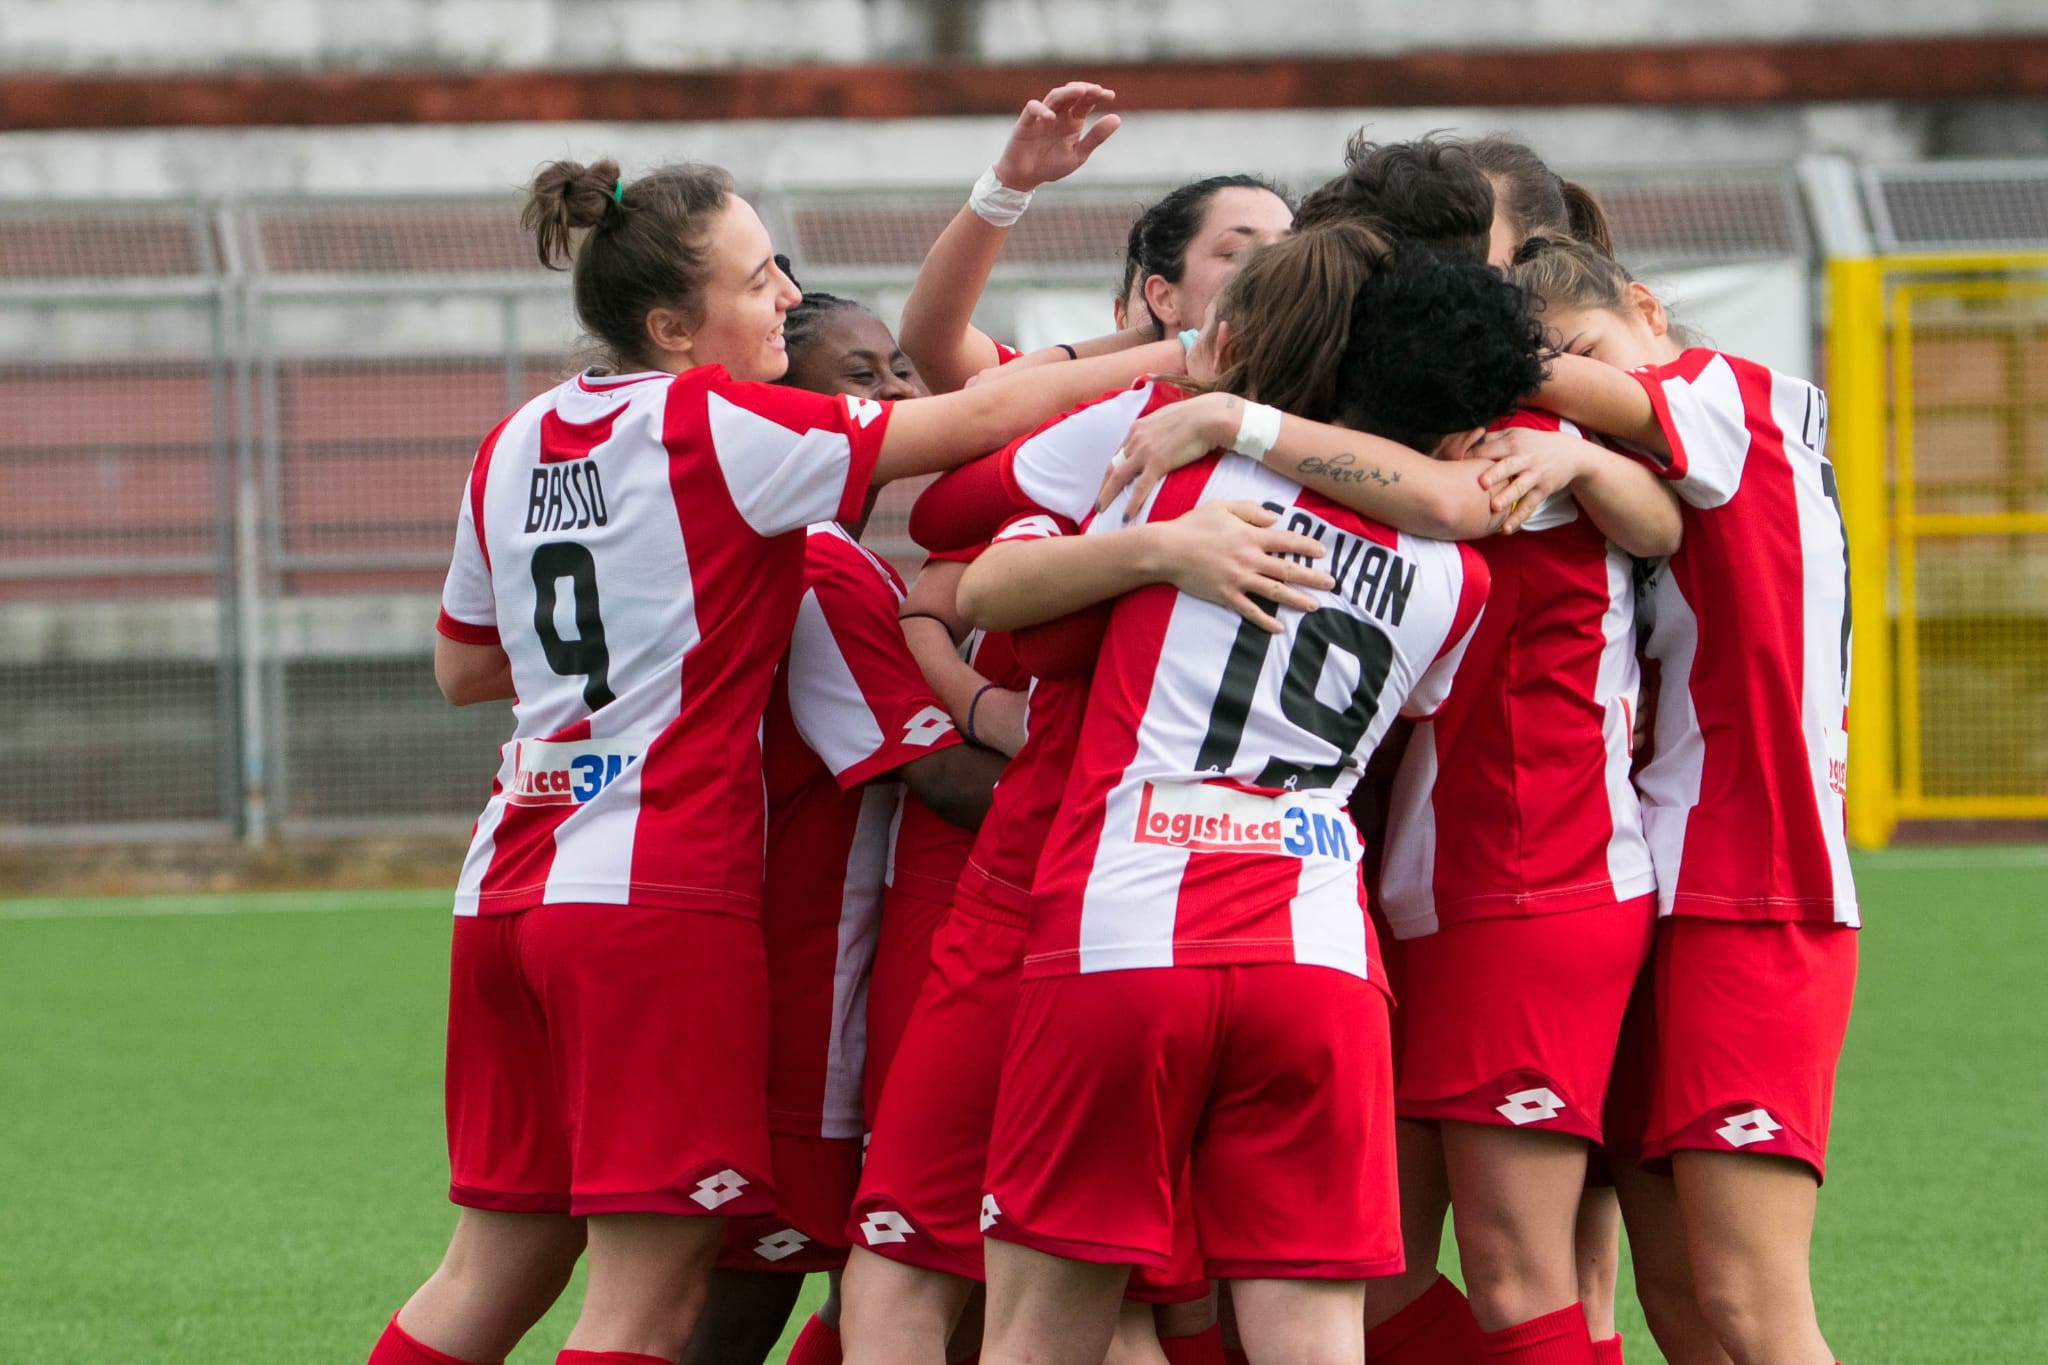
(635, 543)
(1059, 467)
(1056, 468)
(1204, 821)
(1749, 633)
(927, 852)
(1515, 798)
(1004, 858)
(848, 708)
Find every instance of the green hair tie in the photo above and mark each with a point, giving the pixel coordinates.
(619, 191)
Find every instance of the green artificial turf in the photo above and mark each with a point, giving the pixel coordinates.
(220, 1131)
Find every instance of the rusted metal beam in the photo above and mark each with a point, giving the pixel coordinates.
(1991, 68)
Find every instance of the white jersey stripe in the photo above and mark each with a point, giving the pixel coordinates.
(860, 911)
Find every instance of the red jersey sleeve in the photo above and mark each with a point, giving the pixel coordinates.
(1699, 407)
(469, 607)
(857, 697)
(789, 457)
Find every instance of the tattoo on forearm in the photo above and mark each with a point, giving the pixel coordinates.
(1344, 469)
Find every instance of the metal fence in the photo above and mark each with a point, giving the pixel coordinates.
(232, 437)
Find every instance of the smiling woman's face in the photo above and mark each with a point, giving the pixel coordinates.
(744, 298)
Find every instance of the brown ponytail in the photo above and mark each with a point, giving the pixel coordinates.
(1584, 218)
(1289, 310)
(642, 246)
(1535, 200)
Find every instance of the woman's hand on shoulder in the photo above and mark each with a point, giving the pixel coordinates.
(1172, 438)
(1233, 554)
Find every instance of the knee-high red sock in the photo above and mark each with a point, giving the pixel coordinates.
(1436, 1329)
(817, 1344)
(1559, 1338)
(397, 1347)
(1203, 1348)
(1608, 1351)
(568, 1357)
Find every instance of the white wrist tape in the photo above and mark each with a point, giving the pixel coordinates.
(1257, 431)
(996, 203)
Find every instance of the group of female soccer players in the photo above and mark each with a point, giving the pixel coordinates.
(1367, 742)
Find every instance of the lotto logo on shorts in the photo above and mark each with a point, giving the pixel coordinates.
(990, 1212)
(722, 1188)
(780, 1246)
(1531, 1106)
(1203, 817)
(569, 773)
(884, 1226)
(1739, 1130)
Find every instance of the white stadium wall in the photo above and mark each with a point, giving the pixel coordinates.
(216, 35)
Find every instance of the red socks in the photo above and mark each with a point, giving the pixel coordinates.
(817, 1344)
(395, 1347)
(1559, 1338)
(1608, 1352)
(1203, 1348)
(610, 1358)
(1436, 1329)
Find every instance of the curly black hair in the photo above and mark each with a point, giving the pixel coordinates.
(1436, 347)
(1429, 191)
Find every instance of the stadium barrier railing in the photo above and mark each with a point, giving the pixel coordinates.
(242, 428)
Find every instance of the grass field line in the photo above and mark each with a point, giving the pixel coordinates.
(233, 903)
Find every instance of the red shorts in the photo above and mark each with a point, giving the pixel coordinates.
(814, 1182)
(920, 1191)
(903, 958)
(1513, 1021)
(1749, 1021)
(608, 1059)
(1271, 1083)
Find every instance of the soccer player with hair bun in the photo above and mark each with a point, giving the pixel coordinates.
(628, 568)
(1754, 961)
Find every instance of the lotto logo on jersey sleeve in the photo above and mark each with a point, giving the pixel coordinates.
(568, 773)
(1203, 817)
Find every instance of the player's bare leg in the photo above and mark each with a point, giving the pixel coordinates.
(1748, 1232)
(1517, 1199)
(1179, 1321)
(502, 1271)
(1663, 1272)
(1048, 1310)
(1137, 1337)
(1301, 1322)
(1596, 1243)
(896, 1314)
(1425, 1199)
(648, 1273)
(744, 1314)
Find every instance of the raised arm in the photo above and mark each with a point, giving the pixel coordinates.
(1383, 479)
(1051, 140)
(1230, 553)
(929, 434)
